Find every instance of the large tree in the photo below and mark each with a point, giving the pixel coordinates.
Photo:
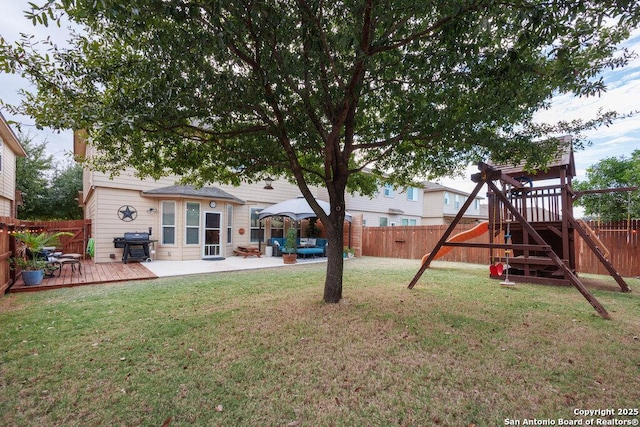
(33, 174)
(612, 173)
(63, 193)
(314, 90)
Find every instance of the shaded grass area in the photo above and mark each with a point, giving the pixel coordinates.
(260, 348)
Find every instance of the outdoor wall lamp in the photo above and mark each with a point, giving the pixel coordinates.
(152, 210)
(267, 183)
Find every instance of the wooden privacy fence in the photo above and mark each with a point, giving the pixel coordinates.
(413, 242)
(621, 239)
(77, 243)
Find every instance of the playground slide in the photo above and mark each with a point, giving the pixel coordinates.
(476, 231)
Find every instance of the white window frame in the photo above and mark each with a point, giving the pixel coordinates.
(191, 227)
(476, 204)
(447, 198)
(167, 226)
(412, 194)
(229, 223)
(383, 219)
(255, 227)
(387, 191)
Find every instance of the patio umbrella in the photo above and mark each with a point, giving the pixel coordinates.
(297, 209)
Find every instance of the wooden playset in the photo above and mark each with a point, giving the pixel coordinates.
(532, 228)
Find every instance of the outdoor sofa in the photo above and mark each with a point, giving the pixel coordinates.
(304, 246)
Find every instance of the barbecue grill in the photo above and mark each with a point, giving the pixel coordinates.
(136, 246)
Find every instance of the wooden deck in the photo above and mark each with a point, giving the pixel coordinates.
(91, 274)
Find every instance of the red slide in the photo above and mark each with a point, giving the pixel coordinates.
(476, 231)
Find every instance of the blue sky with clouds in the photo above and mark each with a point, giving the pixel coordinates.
(619, 139)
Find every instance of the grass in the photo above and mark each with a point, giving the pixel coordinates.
(260, 348)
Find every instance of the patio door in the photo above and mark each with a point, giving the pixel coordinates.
(212, 233)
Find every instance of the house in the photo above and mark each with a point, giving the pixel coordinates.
(187, 223)
(390, 207)
(441, 205)
(10, 150)
(431, 204)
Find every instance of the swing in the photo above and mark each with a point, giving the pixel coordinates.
(507, 237)
(496, 268)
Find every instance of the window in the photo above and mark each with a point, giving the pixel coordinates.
(456, 201)
(257, 233)
(1, 154)
(168, 223)
(388, 190)
(192, 224)
(412, 194)
(446, 198)
(277, 226)
(229, 223)
(476, 204)
(384, 222)
(407, 221)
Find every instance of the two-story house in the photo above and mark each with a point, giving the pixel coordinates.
(186, 223)
(10, 150)
(442, 204)
(431, 204)
(389, 207)
(210, 222)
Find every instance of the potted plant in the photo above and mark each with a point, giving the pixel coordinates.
(290, 251)
(28, 254)
(348, 252)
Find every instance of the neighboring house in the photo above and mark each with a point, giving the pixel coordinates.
(442, 204)
(10, 150)
(433, 204)
(389, 207)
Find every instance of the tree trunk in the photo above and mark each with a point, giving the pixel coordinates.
(335, 262)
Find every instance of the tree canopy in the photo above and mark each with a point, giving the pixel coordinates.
(314, 90)
(612, 173)
(50, 189)
(32, 178)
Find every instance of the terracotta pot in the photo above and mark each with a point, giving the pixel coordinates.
(289, 258)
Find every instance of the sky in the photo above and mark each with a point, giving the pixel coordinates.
(623, 96)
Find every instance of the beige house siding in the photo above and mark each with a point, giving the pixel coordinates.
(105, 196)
(433, 207)
(437, 211)
(7, 180)
(106, 223)
(10, 149)
(394, 208)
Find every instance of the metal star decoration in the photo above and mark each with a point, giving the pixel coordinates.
(127, 213)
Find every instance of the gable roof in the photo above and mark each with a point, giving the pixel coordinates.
(432, 187)
(10, 138)
(191, 191)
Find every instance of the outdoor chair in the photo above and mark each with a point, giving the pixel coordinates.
(62, 260)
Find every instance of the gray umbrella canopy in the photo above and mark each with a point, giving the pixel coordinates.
(297, 209)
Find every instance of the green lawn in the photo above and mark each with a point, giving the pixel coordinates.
(261, 349)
